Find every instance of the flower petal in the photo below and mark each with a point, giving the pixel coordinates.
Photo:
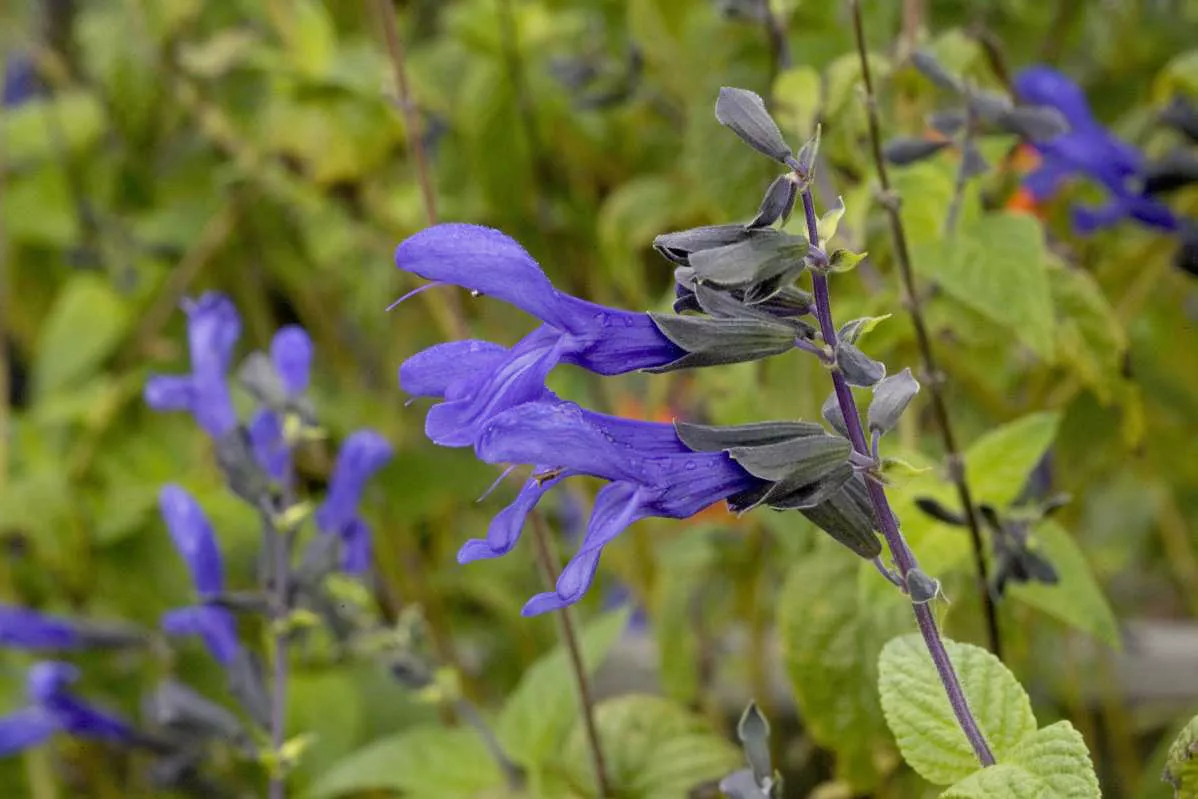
(442, 368)
(213, 327)
(362, 454)
(557, 433)
(612, 341)
(355, 547)
(25, 728)
(483, 260)
(519, 378)
(291, 352)
(214, 624)
(1041, 85)
(507, 525)
(23, 628)
(170, 393)
(269, 444)
(47, 679)
(194, 539)
(77, 717)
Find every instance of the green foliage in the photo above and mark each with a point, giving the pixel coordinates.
(1181, 768)
(1046, 763)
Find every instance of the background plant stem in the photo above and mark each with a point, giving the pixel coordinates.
(565, 620)
(904, 558)
(902, 254)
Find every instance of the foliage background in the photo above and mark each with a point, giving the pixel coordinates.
(256, 148)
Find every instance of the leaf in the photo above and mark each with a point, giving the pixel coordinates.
(744, 112)
(25, 133)
(426, 761)
(711, 342)
(1052, 763)
(891, 397)
(777, 203)
(997, 265)
(829, 222)
(711, 438)
(918, 711)
(1089, 336)
(538, 713)
(764, 255)
(628, 220)
(805, 459)
(1181, 767)
(1076, 599)
(652, 749)
(858, 368)
(796, 94)
(831, 633)
(329, 704)
(84, 327)
(998, 464)
(903, 151)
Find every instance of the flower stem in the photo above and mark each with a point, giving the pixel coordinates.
(904, 558)
(278, 704)
(570, 638)
(898, 235)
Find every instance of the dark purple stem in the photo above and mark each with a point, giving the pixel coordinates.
(904, 558)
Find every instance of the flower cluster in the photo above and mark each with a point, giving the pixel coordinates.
(1088, 150)
(736, 301)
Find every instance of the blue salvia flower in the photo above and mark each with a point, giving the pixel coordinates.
(54, 708)
(650, 473)
(20, 81)
(1091, 151)
(291, 354)
(23, 628)
(362, 454)
(196, 543)
(603, 340)
(213, 327)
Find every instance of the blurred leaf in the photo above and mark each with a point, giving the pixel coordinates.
(84, 327)
(999, 463)
(796, 96)
(652, 749)
(1180, 76)
(310, 37)
(539, 712)
(998, 265)
(326, 704)
(1077, 599)
(50, 128)
(831, 633)
(1052, 763)
(427, 762)
(48, 190)
(218, 54)
(629, 219)
(918, 711)
(1089, 336)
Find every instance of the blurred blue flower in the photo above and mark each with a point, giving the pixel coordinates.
(54, 708)
(1088, 150)
(362, 454)
(23, 628)
(604, 340)
(20, 81)
(213, 327)
(196, 543)
(651, 473)
(291, 355)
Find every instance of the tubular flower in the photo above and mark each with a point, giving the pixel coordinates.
(54, 708)
(196, 543)
(1091, 151)
(291, 355)
(362, 454)
(22, 628)
(603, 340)
(20, 81)
(213, 327)
(651, 473)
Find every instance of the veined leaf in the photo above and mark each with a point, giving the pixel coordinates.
(1052, 763)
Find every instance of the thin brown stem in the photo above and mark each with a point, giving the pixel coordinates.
(569, 635)
(934, 378)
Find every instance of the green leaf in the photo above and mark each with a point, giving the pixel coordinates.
(998, 464)
(541, 709)
(918, 711)
(829, 222)
(328, 704)
(1077, 599)
(998, 265)
(1089, 336)
(1052, 763)
(1181, 768)
(628, 221)
(84, 327)
(425, 761)
(26, 136)
(832, 630)
(652, 749)
(796, 94)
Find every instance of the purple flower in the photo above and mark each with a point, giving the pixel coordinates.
(54, 708)
(651, 473)
(23, 628)
(196, 543)
(604, 340)
(291, 355)
(20, 81)
(361, 455)
(213, 328)
(1088, 150)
